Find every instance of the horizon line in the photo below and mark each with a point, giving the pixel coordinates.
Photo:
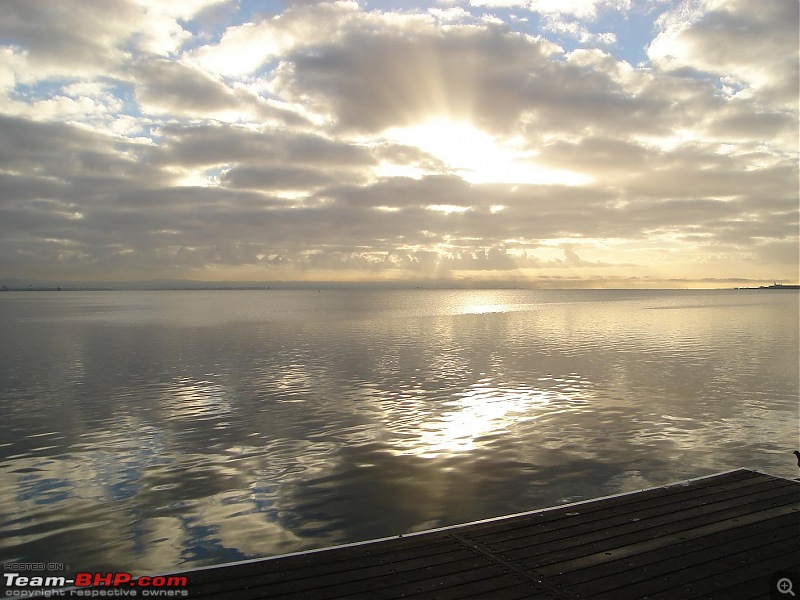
(16, 285)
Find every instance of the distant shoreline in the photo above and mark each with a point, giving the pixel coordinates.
(774, 286)
(334, 286)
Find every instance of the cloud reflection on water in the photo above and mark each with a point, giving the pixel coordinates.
(214, 439)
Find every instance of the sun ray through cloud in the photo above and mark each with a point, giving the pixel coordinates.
(475, 139)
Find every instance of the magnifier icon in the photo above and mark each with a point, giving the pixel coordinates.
(785, 586)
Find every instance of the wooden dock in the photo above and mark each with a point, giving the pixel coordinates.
(722, 536)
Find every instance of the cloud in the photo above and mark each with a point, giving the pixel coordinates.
(172, 87)
(248, 147)
(85, 37)
(244, 48)
(581, 9)
(751, 45)
(328, 140)
(372, 82)
(274, 178)
(579, 31)
(90, 37)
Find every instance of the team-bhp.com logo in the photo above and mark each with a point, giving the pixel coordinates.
(95, 585)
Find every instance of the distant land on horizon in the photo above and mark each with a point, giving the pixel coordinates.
(17, 285)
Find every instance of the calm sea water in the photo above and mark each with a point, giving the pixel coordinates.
(150, 431)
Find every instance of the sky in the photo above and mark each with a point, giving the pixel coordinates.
(552, 143)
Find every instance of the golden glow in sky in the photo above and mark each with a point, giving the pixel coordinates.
(478, 157)
(591, 143)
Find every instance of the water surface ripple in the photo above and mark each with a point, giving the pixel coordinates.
(153, 431)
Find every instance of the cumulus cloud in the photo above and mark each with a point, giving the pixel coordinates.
(172, 87)
(328, 140)
(243, 49)
(371, 82)
(88, 37)
(582, 9)
(751, 45)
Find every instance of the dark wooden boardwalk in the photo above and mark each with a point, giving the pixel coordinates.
(722, 536)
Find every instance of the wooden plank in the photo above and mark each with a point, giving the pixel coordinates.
(336, 558)
(281, 571)
(654, 528)
(414, 561)
(692, 545)
(434, 582)
(699, 583)
(603, 519)
(496, 589)
(410, 582)
(588, 511)
(758, 588)
(685, 557)
(646, 540)
(703, 538)
(374, 577)
(603, 524)
(521, 591)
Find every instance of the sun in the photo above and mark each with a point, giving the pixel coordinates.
(478, 157)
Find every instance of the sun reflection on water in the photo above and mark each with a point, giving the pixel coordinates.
(187, 399)
(479, 414)
(482, 309)
(181, 438)
(480, 302)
